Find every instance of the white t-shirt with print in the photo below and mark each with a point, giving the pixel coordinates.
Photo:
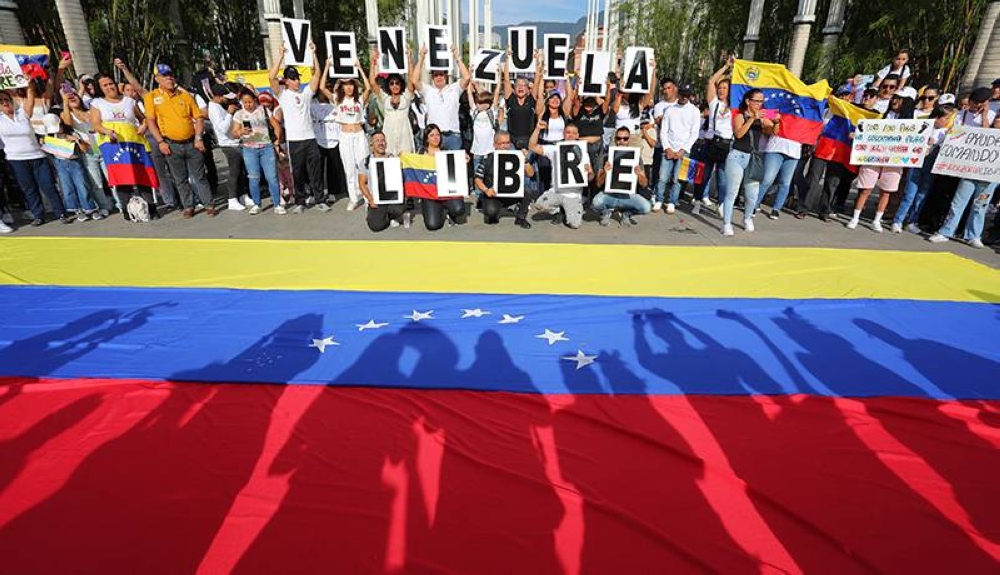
(295, 114)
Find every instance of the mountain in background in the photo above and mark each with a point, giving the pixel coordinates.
(571, 28)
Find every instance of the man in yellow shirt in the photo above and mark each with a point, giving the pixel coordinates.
(176, 124)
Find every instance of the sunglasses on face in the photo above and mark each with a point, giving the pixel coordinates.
(621, 139)
(887, 87)
(924, 98)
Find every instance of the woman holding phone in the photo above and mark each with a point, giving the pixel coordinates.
(259, 134)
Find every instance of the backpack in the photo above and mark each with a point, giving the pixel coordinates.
(137, 210)
(489, 115)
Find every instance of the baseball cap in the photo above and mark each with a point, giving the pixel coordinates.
(51, 123)
(946, 100)
(843, 90)
(907, 92)
(685, 90)
(995, 83)
(291, 73)
(164, 70)
(224, 91)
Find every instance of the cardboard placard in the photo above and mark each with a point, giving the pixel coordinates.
(622, 178)
(522, 42)
(508, 174)
(386, 180)
(296, 35)
(392, 48)
(452, 174)
(341, 48)
(894, 143)
(637, 67)
(594, 69)
(486, 65)
(571, 159)
(970, 153)
(556, 53)
(11, 75)
(439, 48)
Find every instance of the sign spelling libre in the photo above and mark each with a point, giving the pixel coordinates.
(894, 143)
(970, 153)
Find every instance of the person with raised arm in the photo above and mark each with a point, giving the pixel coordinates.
(443, 99)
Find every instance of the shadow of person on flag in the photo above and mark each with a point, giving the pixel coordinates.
(352, 480)
(152, 496)
(495, 508)
(638, 478)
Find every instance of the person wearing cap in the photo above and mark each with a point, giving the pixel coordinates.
(294, 111)
(919, 180)
(31, 168)
(995, 97)
(589, 114)
(177, 126)
(978, 114)
(443, 99)
(220, 114)
(70, 170)
(678, 134)
(551, 111)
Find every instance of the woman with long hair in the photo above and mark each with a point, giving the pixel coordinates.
(76, 114)
(437, 212)
(395, 102)
(744, 166)
(719, 134)
(885, 177)
(551, 108)
(351, 104)
(259, 135)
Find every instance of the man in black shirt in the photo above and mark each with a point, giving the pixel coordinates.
(492, 205)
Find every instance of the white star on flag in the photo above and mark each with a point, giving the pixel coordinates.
(581, 359)
(553, 336)
(370, 325)
(474, 313)
(507, 318)
(321, 344)
(416, 316)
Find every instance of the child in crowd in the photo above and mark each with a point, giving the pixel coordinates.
(67, 150)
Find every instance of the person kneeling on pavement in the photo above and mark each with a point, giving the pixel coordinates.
(484, 180)
(567, 198)
(379, 217)
(628, 205)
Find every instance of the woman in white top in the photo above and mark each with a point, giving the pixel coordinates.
(395, 102)
(26, 158)
(76, 115)
(351, 106)
(719, 135)
(927, 102)
(111, 110)
(324, 115)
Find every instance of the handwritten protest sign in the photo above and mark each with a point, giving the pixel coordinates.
(971, 153)
(899, 143)
(11, 75)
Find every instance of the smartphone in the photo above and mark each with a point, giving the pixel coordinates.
(64, 55)
(246, 124)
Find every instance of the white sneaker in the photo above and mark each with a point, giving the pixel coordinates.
(253, 211)
(199, 206)
(877, 227)
(976, 243)
(727, 230)
(696, 209)
(671, 208)
(707, 202)
(407, 220)
(280, 210)
(247, 201)
(5, 229)
(748, 224)
(852, 224)
(722, 210)
(322, 206)
(298, 209)
(913, 229)
(937, 239)
(897, 228)
(393, 224)
(96, 215)
(353, 205)
(235, 205)
(8, 218)
(657, 206)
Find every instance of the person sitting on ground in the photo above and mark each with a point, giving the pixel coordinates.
(485, 184)
(379, 217)
(567, 200)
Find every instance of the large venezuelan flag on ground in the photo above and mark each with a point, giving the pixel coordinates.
(335, 407)
(801, 106)
(835, 141)
(127, 158)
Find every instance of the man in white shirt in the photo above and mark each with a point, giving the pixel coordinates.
(303, 151)
(220, 114)
(567, 198)
(979, 114)
(678, 134)
(442, 99)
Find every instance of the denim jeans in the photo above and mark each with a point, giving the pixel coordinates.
(36, 178)
(736, 164)
(94, 165)
(668, 171)
(777, 167)
(451, 141)
(918, 183)
(74, 184)
(187, 165)
(262, 162)
(631, 203)
(980, 193)
(718, 171)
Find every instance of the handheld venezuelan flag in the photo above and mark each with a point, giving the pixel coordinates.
(58, 147)
(419, 176)
(258, 78)
(801, 106)
(127, 158)
(691, 170)
(34, 60)
(834, 144)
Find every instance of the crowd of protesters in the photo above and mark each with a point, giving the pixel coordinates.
(310, 144)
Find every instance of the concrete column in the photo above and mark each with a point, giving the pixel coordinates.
(753, 29)
(77, 36)
(455, 22)
(803, 22)
(10, 27)
(299, 9)
(983, 66)
(371, 20)
(487, 23)
(473, 26)
(272, 39)
(831, 35)
(611, 32)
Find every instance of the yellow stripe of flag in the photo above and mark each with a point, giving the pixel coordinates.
(776, 76)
